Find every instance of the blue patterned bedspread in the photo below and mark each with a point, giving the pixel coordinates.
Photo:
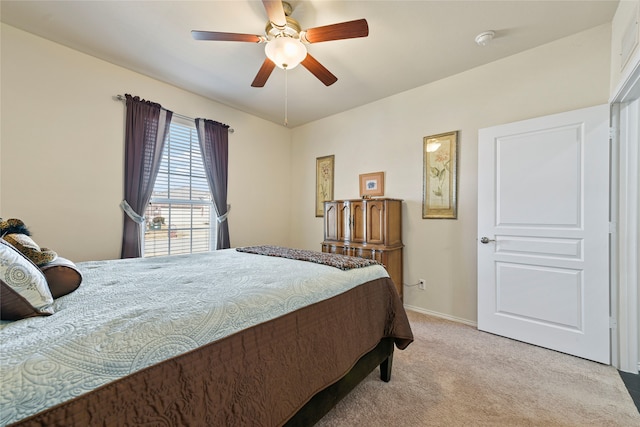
(130, 314)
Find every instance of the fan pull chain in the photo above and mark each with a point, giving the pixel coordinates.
(286, 98)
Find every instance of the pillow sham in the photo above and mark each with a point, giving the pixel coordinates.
(63, 277)
(24, 289)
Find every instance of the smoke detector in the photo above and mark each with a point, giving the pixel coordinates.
(485, 37)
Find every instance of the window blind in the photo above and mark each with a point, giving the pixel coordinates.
(180, 216)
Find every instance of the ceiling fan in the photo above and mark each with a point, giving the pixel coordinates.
(285, 41)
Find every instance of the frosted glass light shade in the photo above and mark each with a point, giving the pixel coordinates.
(285, 52)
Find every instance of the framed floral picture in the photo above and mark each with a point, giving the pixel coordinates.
(439, 198)
(324, 182)
(372, 184)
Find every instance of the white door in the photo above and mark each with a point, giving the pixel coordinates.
(543, 232)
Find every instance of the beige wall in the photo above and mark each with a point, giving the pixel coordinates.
(387, 136)
(62, 152)
(61, 164)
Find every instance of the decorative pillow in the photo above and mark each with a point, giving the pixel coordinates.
(25, 244)
(24, 289)
(62, 276)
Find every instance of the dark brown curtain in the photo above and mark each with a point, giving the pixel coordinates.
(147, 126)
(214, 143)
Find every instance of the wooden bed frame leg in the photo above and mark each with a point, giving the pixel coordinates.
(385, 368)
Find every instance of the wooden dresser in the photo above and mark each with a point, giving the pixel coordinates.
(366, 228)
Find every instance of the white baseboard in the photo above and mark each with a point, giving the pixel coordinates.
(441, 315)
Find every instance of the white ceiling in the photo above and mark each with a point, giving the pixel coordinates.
(410, 44)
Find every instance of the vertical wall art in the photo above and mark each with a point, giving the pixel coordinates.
(324, 182)
(439, 198)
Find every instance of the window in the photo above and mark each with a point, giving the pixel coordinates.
(180, 216)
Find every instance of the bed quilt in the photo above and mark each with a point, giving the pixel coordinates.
(131, 314)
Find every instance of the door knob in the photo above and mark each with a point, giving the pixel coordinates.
(486, 240)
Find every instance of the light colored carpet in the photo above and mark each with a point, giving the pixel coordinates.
(455, 375)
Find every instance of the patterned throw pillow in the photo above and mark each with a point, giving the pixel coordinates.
(25, 292)
(25, 244)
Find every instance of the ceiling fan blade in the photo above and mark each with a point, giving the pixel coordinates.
(275, 12)
(228, 37)
(318, 70)
(263, 73)
(343, 30)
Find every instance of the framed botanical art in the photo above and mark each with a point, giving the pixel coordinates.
(324, 182)
(372, 184)
(439, 196)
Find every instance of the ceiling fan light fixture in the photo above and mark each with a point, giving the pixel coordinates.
(286, 52)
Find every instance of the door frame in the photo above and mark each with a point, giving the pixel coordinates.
(625, 218)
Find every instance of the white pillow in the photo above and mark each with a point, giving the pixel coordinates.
(24, 287)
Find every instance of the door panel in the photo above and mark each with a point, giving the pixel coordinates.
(357, 222)
(523, 292)
(342, 223)
(375, 222)
(331, 218)
(543, 206)
(540, 178)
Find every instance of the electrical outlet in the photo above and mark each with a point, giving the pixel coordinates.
(421, 284)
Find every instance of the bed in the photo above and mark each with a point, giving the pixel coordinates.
(262, 336)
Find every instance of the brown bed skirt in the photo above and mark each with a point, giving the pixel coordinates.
(262, 376)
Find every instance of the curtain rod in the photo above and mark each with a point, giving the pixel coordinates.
(122, 98)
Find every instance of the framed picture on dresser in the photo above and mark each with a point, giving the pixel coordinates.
(372, 184)
(324, 182)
